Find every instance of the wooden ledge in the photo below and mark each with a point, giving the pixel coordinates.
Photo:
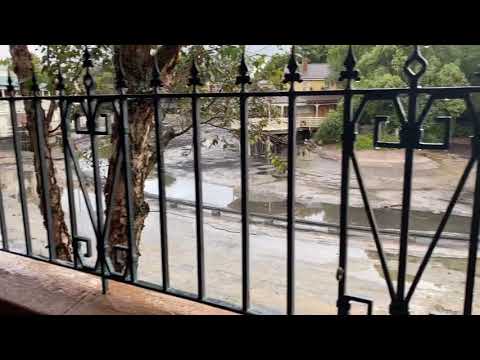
(28, 286)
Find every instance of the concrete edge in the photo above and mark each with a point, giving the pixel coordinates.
(30, 287)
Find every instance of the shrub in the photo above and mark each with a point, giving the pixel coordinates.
(462, 131)
(364, 142)
(330, 131)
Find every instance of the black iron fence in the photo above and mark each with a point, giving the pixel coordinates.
(410, 139)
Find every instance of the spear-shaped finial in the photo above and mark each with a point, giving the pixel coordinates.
(60, 81)
(87, 58)
(10, 87)
(292, 76)
(34, 87)
(88, 80)
(194, 76)
(350, 62)
(243, 78)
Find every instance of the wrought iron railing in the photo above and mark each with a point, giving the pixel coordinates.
(410, 139)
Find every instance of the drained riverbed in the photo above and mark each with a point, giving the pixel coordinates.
(440, 291)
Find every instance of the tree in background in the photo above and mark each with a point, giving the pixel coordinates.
(219, 68)
(23, 66)
(381, 66)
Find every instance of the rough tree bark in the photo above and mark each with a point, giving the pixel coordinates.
(23, 68)
(137, 63)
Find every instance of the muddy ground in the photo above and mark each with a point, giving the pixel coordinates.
(318, 176)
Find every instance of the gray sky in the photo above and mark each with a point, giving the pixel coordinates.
(4, 52)
(251, 49)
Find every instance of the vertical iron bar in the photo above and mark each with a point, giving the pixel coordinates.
(404, 227)
(243, 79)
(162, 198)
(198, 197)
(65, 128)
(348, 141)
(89, 84)
(473, 246)
(292, 152)
(20, 175)
(3, 225)
(127, 168)
(410, 137)
(245, 213)
(291, 77)
(194, 81)
(41, 143)
(347, 148)
(98, 195)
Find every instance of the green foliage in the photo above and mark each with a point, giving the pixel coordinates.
(69, 58)
(364, 142)
(330, 131)
(314, 53)
(462, 131)
(277, 162)
(273, 71)
(381, 66)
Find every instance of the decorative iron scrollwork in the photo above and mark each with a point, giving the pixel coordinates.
(411, 134)
(88, 244)
(415, 57)
(367, 302)
(84, 128)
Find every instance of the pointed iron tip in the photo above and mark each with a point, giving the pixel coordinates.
(87, 58)
(243, 77)
(292, 75)
(349, 73)
(34, 86)
(10, 87)
(194, 75)
(60, 84)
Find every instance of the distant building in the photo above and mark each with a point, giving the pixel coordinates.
(5, 120)
(316, 77)
(311, 111)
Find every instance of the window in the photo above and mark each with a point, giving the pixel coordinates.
(306, 110)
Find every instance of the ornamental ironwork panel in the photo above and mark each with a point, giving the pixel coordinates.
(82, 114)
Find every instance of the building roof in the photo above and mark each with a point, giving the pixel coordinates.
(314, 71)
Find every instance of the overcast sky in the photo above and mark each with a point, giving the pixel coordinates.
(251, 49)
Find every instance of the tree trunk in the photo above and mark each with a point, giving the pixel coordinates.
(23, 68)
(137, 65)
